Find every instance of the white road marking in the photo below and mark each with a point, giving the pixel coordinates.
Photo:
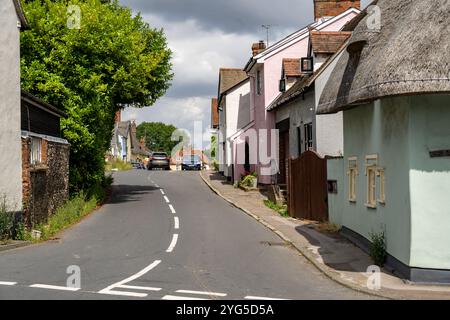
(173, 243)
(46, 286)
(156, 186)
(169, 297)
(107, 290)
(124, 293)
(206, 293)
(176, 223)
(7, 283)
(172, 209)
(162, 191)
(260, 298)
(139, 288)
(167, 199)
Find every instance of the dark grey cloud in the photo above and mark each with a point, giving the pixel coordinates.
(239, 16)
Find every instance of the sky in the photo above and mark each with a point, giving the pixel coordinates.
(204, 36)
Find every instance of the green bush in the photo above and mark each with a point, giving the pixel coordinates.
(70, 213)
(281, 209)
(378, 248)
(11, 228)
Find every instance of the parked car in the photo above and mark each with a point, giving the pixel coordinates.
(192, 162)
(159, 160)
(137, 165)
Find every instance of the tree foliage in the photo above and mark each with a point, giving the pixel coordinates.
(158, 136)
(114, 60)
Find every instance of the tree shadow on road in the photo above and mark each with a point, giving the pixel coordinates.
(129, 193)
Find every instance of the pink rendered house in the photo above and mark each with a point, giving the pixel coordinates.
(253, 148)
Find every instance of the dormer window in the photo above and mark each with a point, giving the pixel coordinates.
(307, 65)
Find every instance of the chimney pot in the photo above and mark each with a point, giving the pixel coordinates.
(258, 47)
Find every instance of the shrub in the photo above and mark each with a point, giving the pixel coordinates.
(378, 248)
(71, 212)
(11, 227)
(281, 209)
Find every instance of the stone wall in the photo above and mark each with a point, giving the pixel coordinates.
(45, 185)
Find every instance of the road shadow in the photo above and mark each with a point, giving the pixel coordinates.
(216, 176)
(128, 193)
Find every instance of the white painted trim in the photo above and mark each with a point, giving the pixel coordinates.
(26, 134)
(300, 35)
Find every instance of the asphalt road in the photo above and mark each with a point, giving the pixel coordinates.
(165, 235)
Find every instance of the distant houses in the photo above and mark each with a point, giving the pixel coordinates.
(125, 145)
(350, 116)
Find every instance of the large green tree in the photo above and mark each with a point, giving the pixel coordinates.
(113, 60)
(158, 136)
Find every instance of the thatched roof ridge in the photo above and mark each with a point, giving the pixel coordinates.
(408, 56)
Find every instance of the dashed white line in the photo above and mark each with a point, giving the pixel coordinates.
(139, 288)
(172, 209)
(169, 297)
(260, 298)
(7, 283)
(173, 243)
(176, 223)
(162, 191)
(108, 290)
(50, 287)
(167, 199)
(206, 293)
(157, 186)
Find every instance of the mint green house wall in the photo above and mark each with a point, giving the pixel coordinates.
(430, 182)
(416, 215)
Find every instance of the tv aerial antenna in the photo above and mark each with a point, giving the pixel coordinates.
(267, 27)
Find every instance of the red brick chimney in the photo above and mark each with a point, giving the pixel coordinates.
(118, 117)
(332, 8)
(258, 47)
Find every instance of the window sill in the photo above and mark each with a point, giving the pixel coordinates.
(352, 201)
(371, 206)
(38, 167)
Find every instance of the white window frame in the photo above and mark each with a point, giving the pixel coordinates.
(35, 151)
(352, 178)
(382, 193)
(371, 180)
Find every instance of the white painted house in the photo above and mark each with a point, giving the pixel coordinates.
(13, 21)
(234, 114)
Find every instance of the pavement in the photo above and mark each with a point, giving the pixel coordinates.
(331, 253)
(165, 235)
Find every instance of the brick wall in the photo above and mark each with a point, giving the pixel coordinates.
(45, 186)
(332, 8)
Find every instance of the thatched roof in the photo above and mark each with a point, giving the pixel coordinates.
(409, 55)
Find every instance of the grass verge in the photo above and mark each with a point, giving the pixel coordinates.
(118, 165)
(281, 209)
